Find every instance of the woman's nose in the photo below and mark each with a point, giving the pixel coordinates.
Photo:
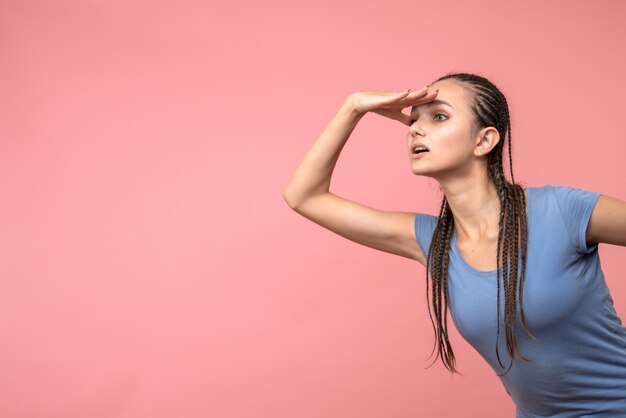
(416, 129)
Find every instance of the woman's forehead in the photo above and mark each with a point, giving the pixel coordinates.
(432, 103)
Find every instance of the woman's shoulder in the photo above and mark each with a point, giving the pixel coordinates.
(564, 195)
(541, 189)
(551, 187)
(552, 191)
(560, 208)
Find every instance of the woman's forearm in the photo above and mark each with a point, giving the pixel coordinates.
(312, 176)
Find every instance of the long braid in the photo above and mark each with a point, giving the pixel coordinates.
(490, 109)
(439, 268)
(432, 262)
(444, 279)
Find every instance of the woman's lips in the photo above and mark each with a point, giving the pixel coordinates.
(419, 154)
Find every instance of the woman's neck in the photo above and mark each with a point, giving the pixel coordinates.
(476, 209)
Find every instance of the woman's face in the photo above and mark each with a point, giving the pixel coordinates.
(445, 126)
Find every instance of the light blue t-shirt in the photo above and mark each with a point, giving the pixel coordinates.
(578, 366)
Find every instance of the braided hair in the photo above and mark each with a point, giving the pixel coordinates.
(490, 108)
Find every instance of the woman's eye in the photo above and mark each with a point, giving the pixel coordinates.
(438, 114)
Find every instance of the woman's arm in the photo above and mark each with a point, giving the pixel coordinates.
(608, 222)
(313, 174)
(307, 192)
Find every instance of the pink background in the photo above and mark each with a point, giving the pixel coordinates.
(149, 266)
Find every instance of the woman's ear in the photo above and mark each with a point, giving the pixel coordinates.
(487, 139)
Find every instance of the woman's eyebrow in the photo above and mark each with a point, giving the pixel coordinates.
(434, 102)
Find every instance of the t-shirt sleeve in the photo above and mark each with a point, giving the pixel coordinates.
(424, 227)
(576, 206)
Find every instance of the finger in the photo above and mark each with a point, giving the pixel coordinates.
(395, 99)
(414, 95)
(406, 103)
(402, 97)
(423, 93)
(425, 98)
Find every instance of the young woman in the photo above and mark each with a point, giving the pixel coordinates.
(550, 305)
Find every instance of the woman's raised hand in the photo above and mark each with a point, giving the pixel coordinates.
(391, 104)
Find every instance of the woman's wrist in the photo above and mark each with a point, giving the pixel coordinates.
(349, 109)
